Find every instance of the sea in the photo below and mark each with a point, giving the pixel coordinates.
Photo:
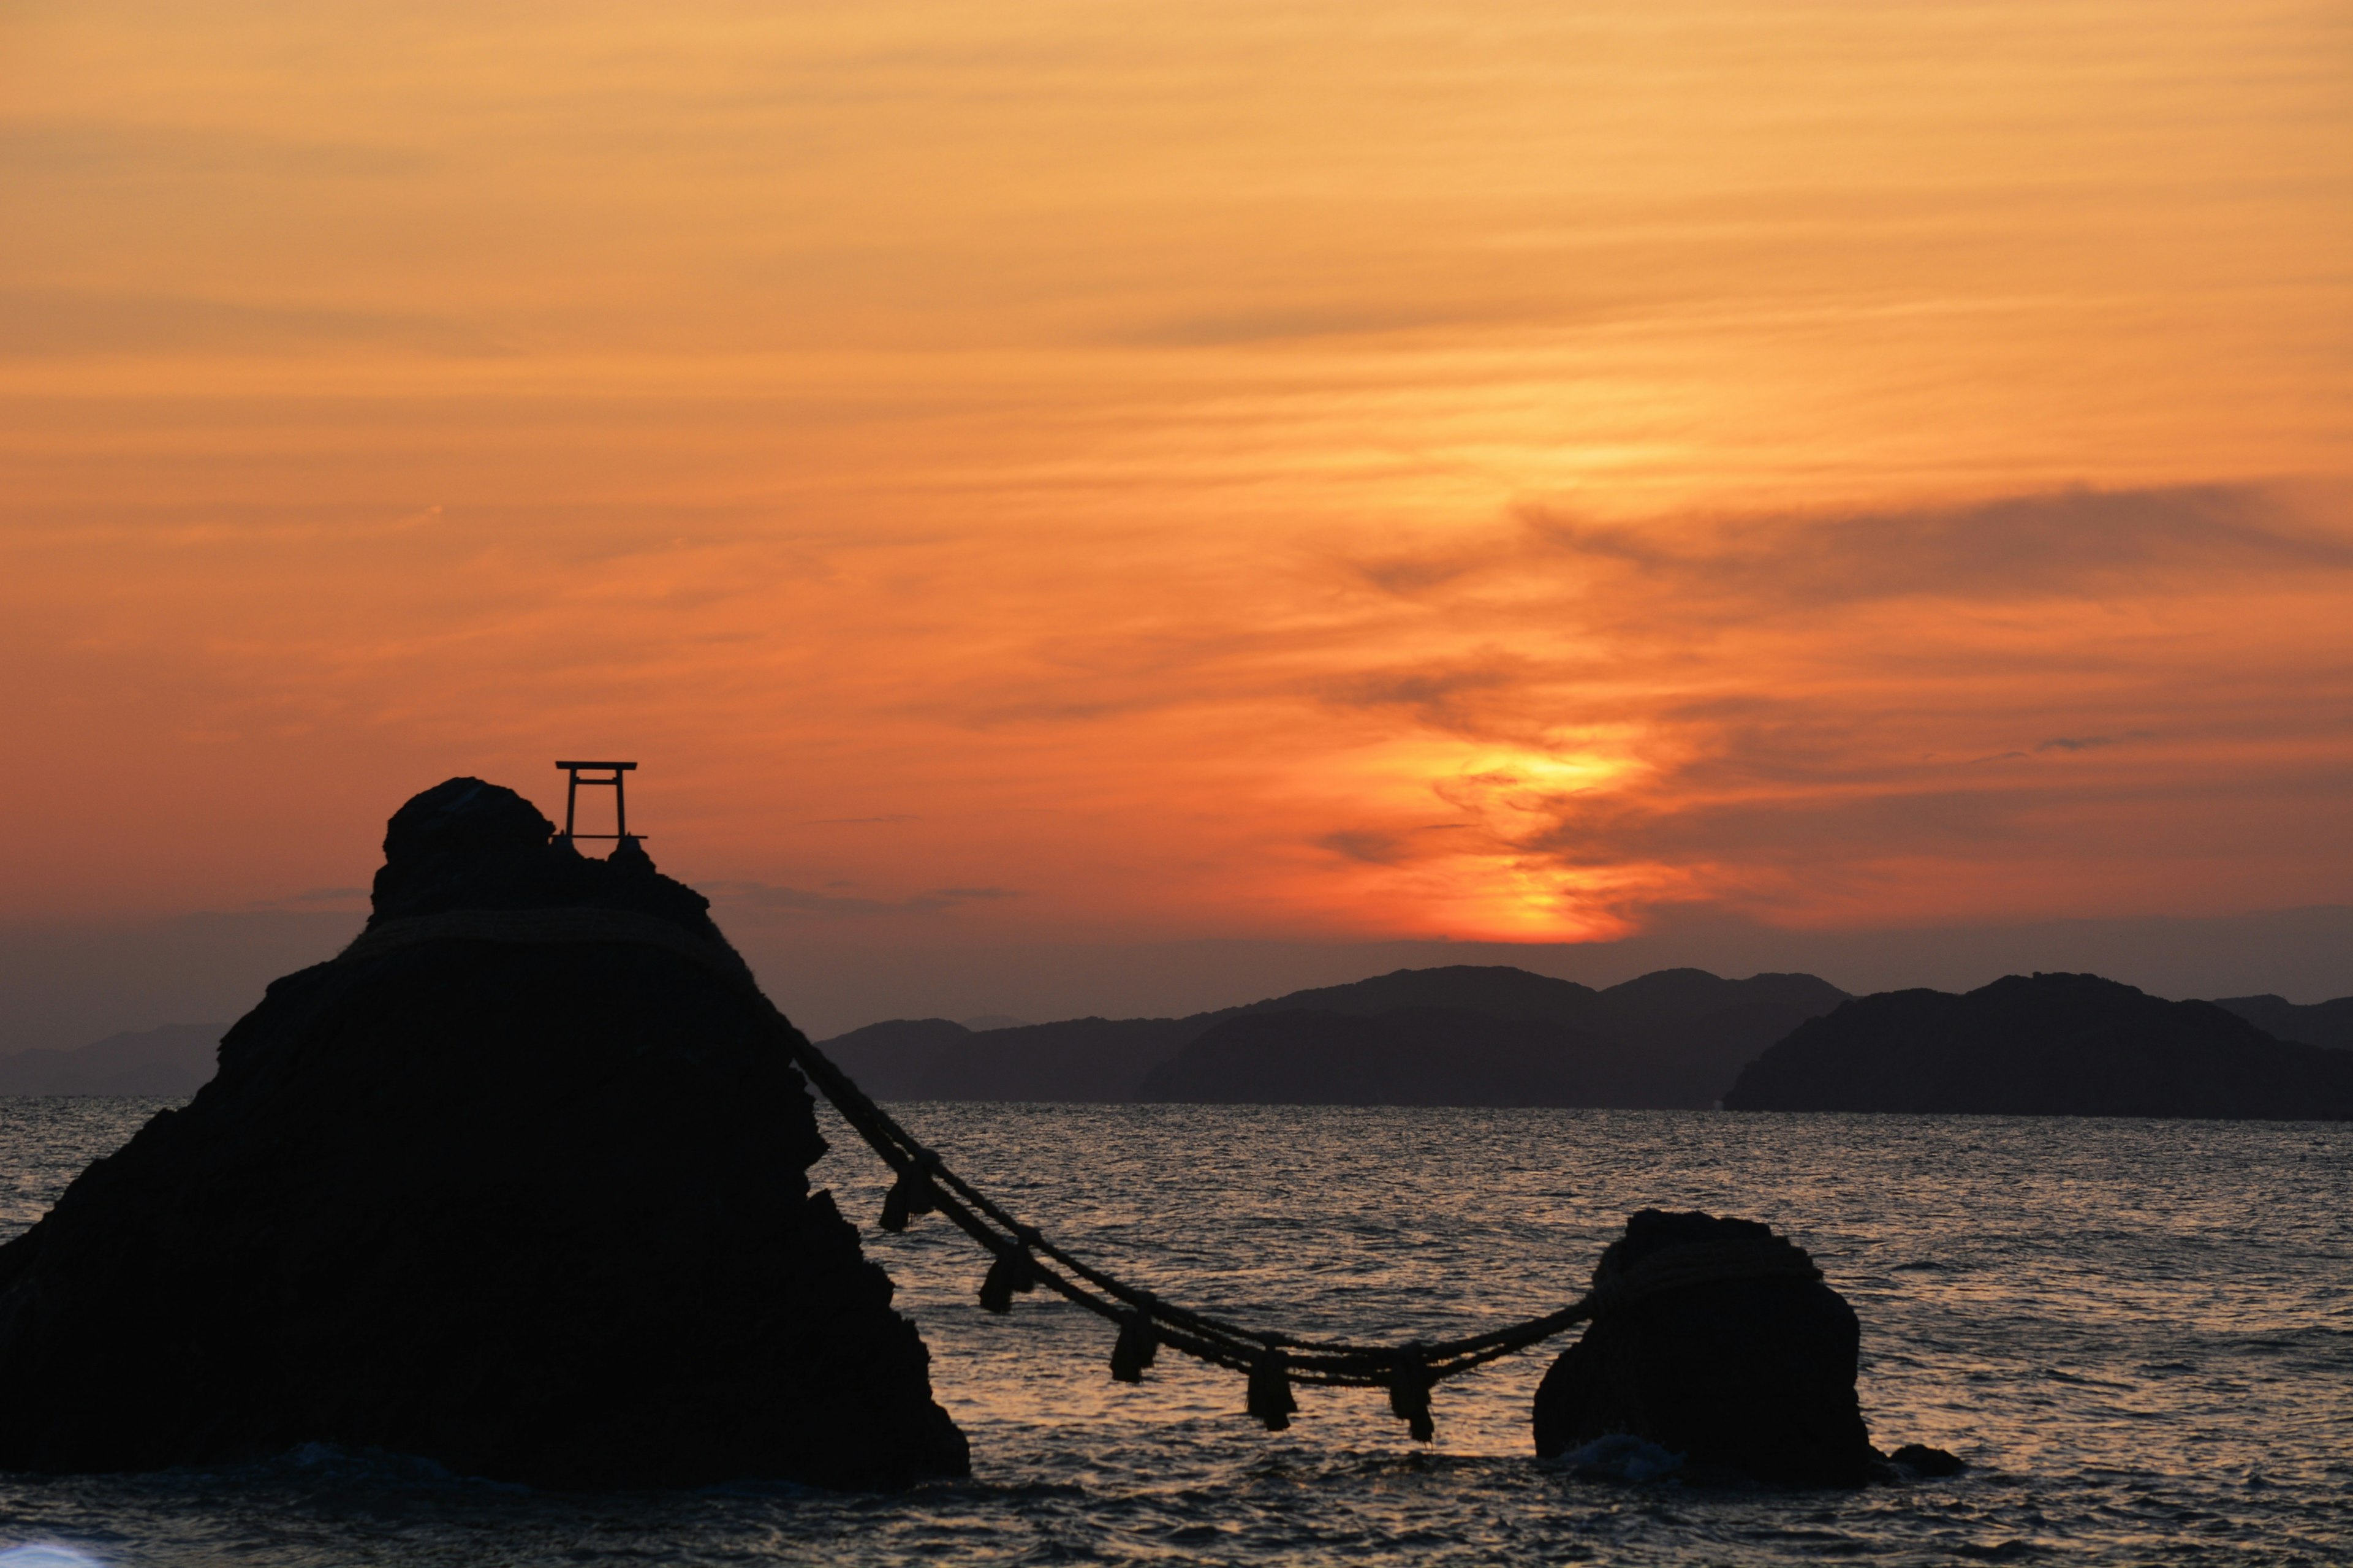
(2137, 1334)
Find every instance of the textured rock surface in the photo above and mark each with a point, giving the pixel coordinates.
(537, 1211)
(1752, 1375)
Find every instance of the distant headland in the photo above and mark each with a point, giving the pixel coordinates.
(2049, 1044)
(1462, 1035)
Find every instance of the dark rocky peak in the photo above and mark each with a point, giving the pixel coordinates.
(1672, 991)
(1650, 1231)
(1497, 989)
(2045, 986)
(2048, 1000)
(1665, 995)
(470, 845)
(462, 818)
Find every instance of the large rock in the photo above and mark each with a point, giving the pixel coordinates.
(533, 1206)
(1717, 1340)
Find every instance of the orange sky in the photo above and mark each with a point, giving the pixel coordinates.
(1060, 470)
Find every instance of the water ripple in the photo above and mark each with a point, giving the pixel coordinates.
(2136, 1332)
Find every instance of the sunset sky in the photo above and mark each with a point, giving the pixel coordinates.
(1062, 474)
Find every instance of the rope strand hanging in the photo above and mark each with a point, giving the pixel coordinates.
(1022, 1260)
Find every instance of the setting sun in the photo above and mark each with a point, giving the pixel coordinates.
(1301, 473)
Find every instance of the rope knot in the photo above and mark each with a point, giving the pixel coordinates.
(1136, 1347)
(922, 1184)
(909, 1195)
(1014, 1270)
(1409, 1383)
(1270, 1389)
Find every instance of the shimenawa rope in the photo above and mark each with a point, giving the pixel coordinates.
(1022, 1260)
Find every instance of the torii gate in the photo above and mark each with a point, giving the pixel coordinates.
(572, 797)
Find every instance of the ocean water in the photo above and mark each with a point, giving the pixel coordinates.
(2139, 1334)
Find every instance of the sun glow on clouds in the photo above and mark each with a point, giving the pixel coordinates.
(1445, 845)
(1369, 469)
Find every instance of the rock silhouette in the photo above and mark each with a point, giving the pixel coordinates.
(1720, 1343)
(2045, 1045)
(536, 1208)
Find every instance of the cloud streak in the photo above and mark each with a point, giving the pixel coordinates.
(62, 323)
(2064, 544)
(1246, 470)
(1792, 712)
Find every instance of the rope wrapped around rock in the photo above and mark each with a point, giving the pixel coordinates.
(1023, 1260)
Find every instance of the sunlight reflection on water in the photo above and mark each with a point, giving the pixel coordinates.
(2137, 1332)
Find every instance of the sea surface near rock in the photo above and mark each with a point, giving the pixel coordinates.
(2134, 1330)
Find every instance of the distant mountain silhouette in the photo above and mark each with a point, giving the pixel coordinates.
(2315, 1024)
(170, 1062)
(1407, 1055)
(1085, 1060)
(1453, 1036)
(2064, 1045)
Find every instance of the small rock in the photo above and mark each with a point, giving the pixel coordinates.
(1922, 1460)
(1717, 1340)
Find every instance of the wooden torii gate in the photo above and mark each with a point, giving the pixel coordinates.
(572, 797)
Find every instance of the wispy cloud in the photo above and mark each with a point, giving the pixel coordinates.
(80, 149)
(1768, 708)
(2065, 543)
(771, 899)
(1208, 469)
(48, 323)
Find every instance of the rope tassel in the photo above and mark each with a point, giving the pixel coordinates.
(1270, 1389)
(1022, 1260)
(1133, 1351)
(1012, 1272)
(909, 1195)
(1410, 1383)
